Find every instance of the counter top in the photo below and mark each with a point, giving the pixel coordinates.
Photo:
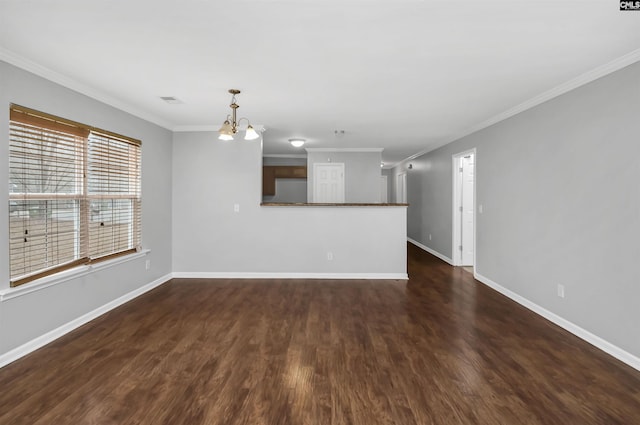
(306, 204)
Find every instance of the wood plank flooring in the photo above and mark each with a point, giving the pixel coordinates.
(438, 349)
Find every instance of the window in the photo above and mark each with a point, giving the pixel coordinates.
(74, 194)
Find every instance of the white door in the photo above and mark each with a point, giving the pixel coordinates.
(328, 183)
(464, 208)
(384, 188)
(467, 165)
(401, 188)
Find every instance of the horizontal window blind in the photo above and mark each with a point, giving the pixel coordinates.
(114, 194)
(74, 194)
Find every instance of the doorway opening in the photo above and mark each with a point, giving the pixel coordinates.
(384, 190)
(464, 207)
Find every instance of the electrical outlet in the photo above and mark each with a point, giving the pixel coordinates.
(429, 236)
(236, 207)
(561, 291)
(147, 264)
(329, 256)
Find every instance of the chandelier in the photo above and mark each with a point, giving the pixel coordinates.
(229, 128)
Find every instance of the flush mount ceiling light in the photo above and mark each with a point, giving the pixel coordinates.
(229, 128)
(297, 143)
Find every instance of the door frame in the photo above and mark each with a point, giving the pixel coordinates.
(456, 218)
(401, 195)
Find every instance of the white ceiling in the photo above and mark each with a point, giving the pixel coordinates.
(403, 75)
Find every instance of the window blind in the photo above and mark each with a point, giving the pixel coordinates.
(114, 195)
(74, 194)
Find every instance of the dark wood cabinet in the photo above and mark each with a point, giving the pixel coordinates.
(272, 172)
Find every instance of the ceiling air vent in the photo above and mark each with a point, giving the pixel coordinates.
(172, 100)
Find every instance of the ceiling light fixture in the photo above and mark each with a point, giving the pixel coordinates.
(229, 128)
(297, 143)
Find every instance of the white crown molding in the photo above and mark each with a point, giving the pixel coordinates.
(581, 80)
(344, 149)
(195, 128)
(65, 81)
(606, 346)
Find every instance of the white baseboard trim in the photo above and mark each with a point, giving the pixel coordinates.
(268, 275)
(587, 336)
(431, 251)
(50, 336)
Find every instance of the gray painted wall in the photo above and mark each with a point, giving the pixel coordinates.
(362, 174)
(28, 316)
(289, 191)
(559, 188)
(209, 177)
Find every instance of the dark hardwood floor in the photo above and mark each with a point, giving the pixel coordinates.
(438, 349)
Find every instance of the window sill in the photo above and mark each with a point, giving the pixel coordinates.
(74, 273)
